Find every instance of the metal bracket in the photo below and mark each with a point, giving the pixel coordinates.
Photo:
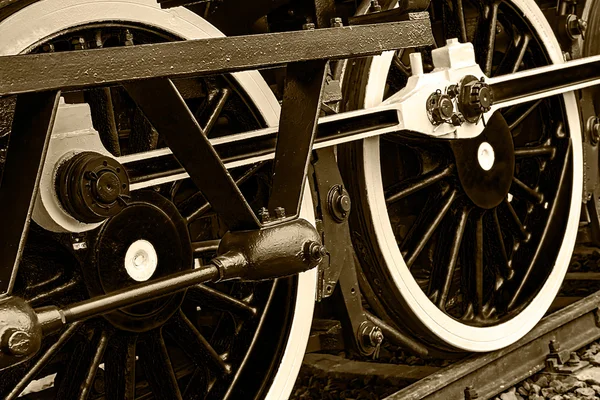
(337, 273)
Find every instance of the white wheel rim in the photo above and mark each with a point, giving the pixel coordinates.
(445, 328)
(44, 18)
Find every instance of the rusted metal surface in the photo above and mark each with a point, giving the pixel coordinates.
(389, 374)
(79, 69)
(489, 374)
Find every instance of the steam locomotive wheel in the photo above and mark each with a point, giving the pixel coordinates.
(228, 340)
(465, 243)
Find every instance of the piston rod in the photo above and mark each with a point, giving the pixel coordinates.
(281, 249)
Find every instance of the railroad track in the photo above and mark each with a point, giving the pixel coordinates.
(572, 322)
(489, 374)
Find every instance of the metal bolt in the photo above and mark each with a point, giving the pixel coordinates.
(344, 201)
(470, 393)
(128, 38)
(16, 342)
(336, 22)
(574, 360)
(375, 7)
(264, 216)
(457, 119)
(376, 336)
(308, 25)
(314, 251)
(280, 212)
(575, 26)
(78, 43)
(593, 129)
(338, 203)
(452, 91)
(554, 346)
(99, 44)
(48, 48)
(370, 335)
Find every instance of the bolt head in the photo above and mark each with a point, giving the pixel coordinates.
(376, 336)
(309, 26)
(345, 203)
(280, 212)
(315, 251)
(446, 107)
(336, 22)
(19, 343)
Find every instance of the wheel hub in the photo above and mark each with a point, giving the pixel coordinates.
(141, 260)
(485, 156)
(147, 240)
(92, 187)
(486, 164)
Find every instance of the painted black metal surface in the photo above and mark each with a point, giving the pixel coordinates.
(140, 171)
(486, 188)
(76, 70)
(151, 217)
(28, 143)
(166, 110)
(545, 81)
(297, 128)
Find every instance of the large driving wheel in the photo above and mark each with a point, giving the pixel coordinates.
(227, 340)
(465, 243)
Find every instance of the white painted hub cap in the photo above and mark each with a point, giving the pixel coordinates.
(485, 156)
(141, 260)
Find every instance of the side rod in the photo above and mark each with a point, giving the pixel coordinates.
(545, 81)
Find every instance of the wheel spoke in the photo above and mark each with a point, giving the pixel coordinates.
(56, 292)
(206, 296)
(43, 361)
(425, 225)
(515, 221)
(173, 119)
(182, 331)
(75, 374)
(514, 57)
(472, 263)
(103, 118)
(219, 103)
(524, 192)
(500, 255)
(157, 367)
(88, 382)
(562, 193)
(400, 65)
(539, 151)
(460, 12)
(20, 181)
(446, 257)
(204, 208)
(410, 186)
(491, 38)
(120, 367)
(517, 114)
(205, 247)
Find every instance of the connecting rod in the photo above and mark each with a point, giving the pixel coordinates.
(281, 249)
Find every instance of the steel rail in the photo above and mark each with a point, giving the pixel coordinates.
(491, 373)
(86, 68)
